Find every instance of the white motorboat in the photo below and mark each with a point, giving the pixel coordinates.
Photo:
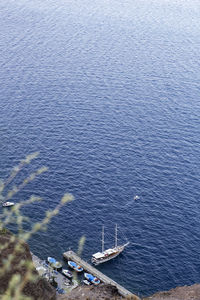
(86, 282)
(8, 204)
(67, 273)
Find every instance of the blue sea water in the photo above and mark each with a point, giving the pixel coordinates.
(109, 93)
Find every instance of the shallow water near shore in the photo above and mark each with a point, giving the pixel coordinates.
(108, 92)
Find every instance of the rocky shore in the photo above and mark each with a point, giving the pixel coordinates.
(42, 290)
(105, 292)
(102, 292)
(179, 293)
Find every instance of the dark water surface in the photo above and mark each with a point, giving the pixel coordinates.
(109, 93)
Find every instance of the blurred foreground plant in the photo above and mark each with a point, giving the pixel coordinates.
(17, 283)
(12, 247)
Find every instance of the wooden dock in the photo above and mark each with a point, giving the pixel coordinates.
(70, 255)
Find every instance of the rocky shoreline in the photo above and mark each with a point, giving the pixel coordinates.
(38, 289)
(179, 293)
(106, 292)
(42, 290)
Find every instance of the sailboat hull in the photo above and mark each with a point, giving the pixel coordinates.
(105, 256)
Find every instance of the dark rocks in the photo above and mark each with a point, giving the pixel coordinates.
(179, 293)
(101, 292)
(40, 289)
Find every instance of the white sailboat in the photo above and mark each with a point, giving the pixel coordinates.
(106, 255)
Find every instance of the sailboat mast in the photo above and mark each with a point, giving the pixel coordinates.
(102, 239)
(116, 235)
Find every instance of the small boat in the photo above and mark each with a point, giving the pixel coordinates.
(86, 282)
(74, 266)
(57, 265)
(51, 260)
(136, 197)
(8, 204)
(54, 263)
(106, 255)
(67, 273)
(96, 281)
(91, 278)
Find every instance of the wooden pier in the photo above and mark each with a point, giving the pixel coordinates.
(70, 255)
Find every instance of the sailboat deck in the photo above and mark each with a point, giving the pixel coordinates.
(70, 255)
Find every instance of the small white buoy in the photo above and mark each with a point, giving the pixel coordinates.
(136, 197)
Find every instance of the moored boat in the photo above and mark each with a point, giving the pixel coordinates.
(67, 273)
(74, 266)
(54, 263)
(51, 260)
(86, 282)
(106, 255)
(91, 278)
(8, 204)
(57, 265)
